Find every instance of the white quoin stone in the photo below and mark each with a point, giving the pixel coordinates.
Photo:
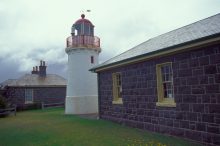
(82, 92)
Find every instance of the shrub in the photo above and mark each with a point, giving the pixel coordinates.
(3, 103)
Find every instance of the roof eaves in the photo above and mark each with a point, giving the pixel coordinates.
(99, 67)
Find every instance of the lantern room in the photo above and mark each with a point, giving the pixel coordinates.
(82, 35)
(82, 27)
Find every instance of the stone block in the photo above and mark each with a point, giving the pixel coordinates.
(140, 111)
(197, 71)
(185, 72)
(205, 99)
(215, 59)
(184, 90)
(217, 78)
(213, 129)
(212, 88)
(210, 69)
(192, 125)
(176, 123)
(198, 90)
(200, 126)
(169, 122)
(194, 62)
(193, 135)
(192, 116)
(189, 99)
(198, 108)
(214, 108)
(184, 107)
(216, 139)
(184, 64)
(193, 80)
(164, 129)
(206, 137)
(184, 124)
(177, 132)
(147, 119)
(148, 126)
(204, 60)
(208, 118)
(182, 56)
(209, 51)
(197, 54)
(203, 79)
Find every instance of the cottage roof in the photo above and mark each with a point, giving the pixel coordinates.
(7, 82)
(35, 80)
(195, 32)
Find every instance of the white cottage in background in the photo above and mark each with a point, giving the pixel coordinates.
(83, 49)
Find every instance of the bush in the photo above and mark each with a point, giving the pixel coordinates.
(3, 103)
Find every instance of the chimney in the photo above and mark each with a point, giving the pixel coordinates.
(35, 70)
(42, 69)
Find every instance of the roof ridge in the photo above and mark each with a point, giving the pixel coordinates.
(163, 34)
(202, 28)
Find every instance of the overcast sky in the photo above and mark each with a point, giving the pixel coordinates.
(34, 30)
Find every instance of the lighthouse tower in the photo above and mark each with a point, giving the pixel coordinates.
(83, 49)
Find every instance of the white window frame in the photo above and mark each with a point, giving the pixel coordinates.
(28, 96)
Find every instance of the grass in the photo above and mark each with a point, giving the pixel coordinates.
(52, 128)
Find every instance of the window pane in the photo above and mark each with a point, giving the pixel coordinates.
(28, 95)
(117, 89)
(167, 80)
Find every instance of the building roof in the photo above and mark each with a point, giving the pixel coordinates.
(7, 82)
(34, 80)
(198, 31)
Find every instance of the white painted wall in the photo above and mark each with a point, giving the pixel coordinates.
(81, 82)
(82, 92)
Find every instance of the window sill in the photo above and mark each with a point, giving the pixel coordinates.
(166, 104)
(119, 101)
(29, 102)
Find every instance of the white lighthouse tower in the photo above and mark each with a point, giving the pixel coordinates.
(83, 50)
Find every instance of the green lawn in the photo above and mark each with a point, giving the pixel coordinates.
(52, 128)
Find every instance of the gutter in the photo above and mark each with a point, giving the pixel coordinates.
(164, 51)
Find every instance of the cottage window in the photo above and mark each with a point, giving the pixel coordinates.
(117, 88)
(165, 90)
(28, 95)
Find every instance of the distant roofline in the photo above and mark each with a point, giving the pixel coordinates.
(35, 86)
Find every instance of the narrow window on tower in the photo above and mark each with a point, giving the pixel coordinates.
(92, 59)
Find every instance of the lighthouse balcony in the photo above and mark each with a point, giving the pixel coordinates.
(83, 41)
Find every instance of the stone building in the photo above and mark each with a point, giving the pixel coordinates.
(169, 84)
(32, 89)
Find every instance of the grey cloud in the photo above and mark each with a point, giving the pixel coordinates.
(35, 30)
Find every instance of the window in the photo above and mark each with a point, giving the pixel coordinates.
(28, 95)
(92, 59)
(117, 88)
(165, 85)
